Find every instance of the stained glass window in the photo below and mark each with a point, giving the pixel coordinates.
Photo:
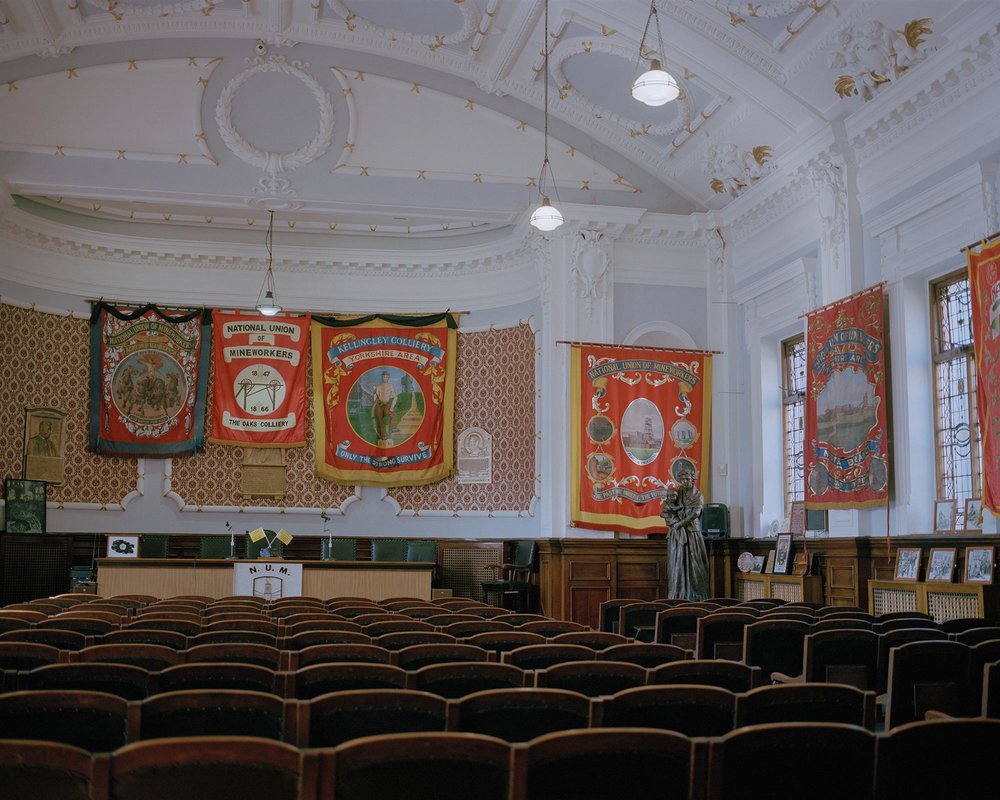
(793, 391)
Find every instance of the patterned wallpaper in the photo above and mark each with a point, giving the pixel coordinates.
(45, 361)
(495, 390)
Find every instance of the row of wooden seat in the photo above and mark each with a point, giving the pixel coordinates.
(447, 678)
(27, 655)
(830, 761)
(99, 722)
(97, 623)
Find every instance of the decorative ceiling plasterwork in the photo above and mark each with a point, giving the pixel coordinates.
(274, 190)
(121, 10)
(939, 92)
(775, 8)
(873, 55)
(585, 46)
(732, 169)
(470, 25)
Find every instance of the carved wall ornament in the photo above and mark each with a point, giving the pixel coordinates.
(276, 190)
(474, 456)
(591, 261)
(830, 184)
(872, 54)
(471, 17)
(733, 169)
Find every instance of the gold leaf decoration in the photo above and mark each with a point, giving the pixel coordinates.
(717, 186)
(916, 29)
(762, 154)
(844, 86)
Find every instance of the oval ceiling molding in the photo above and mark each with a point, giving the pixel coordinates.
(583, 46)
(470, 24)
(274, 163)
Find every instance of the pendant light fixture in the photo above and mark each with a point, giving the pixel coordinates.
(655, 87)
(267, 302)
(546, 217)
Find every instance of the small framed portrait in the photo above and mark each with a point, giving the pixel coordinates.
(758, 564)
(941, 564)
(979, 564)
(944, 516)
(769, 565)
(907, 564)
(123, 546)
(45, 445)
(782, 554)
(25, 505)
(797, 518)
(973, 514)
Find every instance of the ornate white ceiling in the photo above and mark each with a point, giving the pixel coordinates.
(422, 118)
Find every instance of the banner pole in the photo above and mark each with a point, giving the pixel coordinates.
(872, 288)
(694, 351)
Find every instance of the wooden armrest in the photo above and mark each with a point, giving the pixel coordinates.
(781, 677)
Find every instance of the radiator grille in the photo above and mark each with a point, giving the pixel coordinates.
(885, 601)
(790, 592)
(464, 569)
(749, 590)
(943, 606)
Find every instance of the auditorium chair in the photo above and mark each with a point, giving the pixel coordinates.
(541, 656)
(216, 767)
(395, 603)
(215, 712)
(31, 770)
(844, 612)
(242, 624)
(208, 675)
(691, 710)
(517, 619)
(644, 654)
(597, 764)
(940, 758)
(991, 691)
(342, 653)
(980, 655)
(828, 624)
(829, 761)
(487, 612)
(520, 715)
(123, 680)
(376, 615)
(319, 679)
(420, 655)
(54, 637)
(237, 636)
(93, 721)
(13, 623)
(422, 612)
(16, 656)
(152, 657)
(356, 609)
(453, 603)
(462, 629)
(401, 639)
(960, 624)
(721, 635)
(331, 624)
(459, 679)
(974, 636)
(678, 626)
(907, 623)
(924, 676)
(304, 639)
(423, 551)
(807, 702)
(609, 613)
(419, 766)
(178, 641)
(396, 625)
(88, 626)
(236, 653)
(501, 641)
(443, 617)
(887, 641)
(286, 610)
(595, 640)
(332, 719)
(775, 645)
(638, 620)
(171, 622)
(549, 627)
(731, 675)
(841, 656)
(592, 678)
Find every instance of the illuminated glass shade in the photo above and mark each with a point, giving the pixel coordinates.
(268, 306)
(546, 217)
(655, 87)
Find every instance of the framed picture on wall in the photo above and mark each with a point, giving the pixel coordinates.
(973, 514)
(941, 564)
(758, 564)
(797, 518)
(123, 546)
(782, 554)
(25, 511)
(907, 564)
(944, 516)
(979, 564)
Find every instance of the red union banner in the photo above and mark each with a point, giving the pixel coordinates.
(640, 417)
(984, 285)
(259, 389)
(148, 374)
(846, 428)
(384, 398)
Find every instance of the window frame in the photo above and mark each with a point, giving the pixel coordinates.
(792, 398)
